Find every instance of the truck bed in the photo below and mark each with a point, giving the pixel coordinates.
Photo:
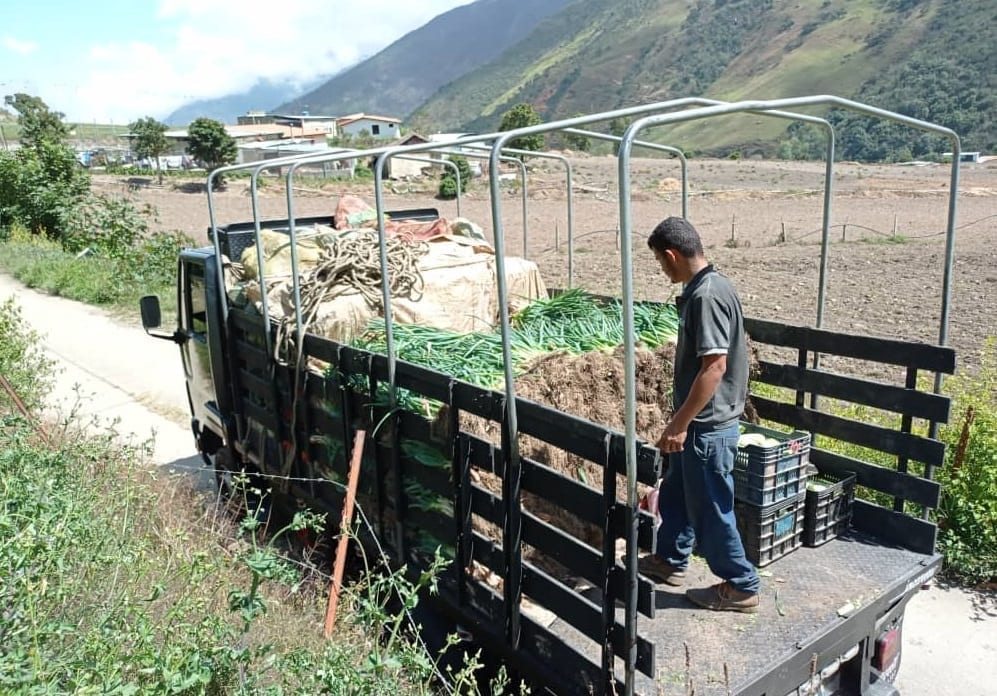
(565, 642)
(802, 595)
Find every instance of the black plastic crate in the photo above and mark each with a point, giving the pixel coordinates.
(769, 532)
(769, 489)
(828, 511)
(792, 451)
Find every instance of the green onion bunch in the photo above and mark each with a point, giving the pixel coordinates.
(574, 322)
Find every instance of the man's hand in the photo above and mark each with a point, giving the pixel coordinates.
(673, 439)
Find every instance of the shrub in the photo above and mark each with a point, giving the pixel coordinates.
(22, 361)
(117, 582)
(40, 187)
(968, 512)
(448, 182)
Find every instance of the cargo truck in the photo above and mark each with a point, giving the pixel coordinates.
(831, 620)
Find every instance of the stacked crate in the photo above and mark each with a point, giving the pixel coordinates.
(769, 492)
(828, 508)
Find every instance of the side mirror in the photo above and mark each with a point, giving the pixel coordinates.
(152, 318)
(151, 314)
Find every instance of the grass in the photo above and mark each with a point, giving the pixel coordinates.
(117, 577)
(113, 283)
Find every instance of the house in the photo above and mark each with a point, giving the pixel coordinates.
(378, 127)
(253, 133)
(274, 149)
(973, 157)
(396, 168)
(299, 124)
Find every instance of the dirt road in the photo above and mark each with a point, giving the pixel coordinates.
(112, 372)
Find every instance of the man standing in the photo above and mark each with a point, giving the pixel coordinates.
(696, 500)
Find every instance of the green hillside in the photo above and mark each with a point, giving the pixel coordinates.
(396, 80)
(920, 57)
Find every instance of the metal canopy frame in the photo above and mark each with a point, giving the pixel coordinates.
(646, 116)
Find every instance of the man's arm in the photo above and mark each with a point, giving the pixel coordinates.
(711, 371)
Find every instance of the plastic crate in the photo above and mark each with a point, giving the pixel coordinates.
(769, 532)
(792, 451)
(771, 488)
(828, 512)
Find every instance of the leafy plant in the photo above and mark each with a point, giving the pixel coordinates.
(448, 181)
(40, 186)
(22, 362)
(38, 123)
(968, 512)
(209, 143)
(523, 116)
(149, 140)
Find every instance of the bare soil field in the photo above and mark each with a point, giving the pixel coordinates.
(760, 220)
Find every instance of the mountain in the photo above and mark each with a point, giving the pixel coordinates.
(406, 73)
(912, 56)
(262, 96)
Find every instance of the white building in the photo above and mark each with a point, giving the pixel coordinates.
(378, 127)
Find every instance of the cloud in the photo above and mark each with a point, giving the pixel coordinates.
(213, 48)
(17, 46)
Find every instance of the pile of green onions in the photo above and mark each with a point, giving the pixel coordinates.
(574, 322)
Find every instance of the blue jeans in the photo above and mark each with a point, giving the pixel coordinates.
(696, 502)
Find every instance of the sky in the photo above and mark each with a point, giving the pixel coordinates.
(108, 61)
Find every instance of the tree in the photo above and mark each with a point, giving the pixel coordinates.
(37, 122)
(448, 182)
(149, 140)
(208, 142)
(522, 116)
(581, 143)
(617, 127)
(40, 185)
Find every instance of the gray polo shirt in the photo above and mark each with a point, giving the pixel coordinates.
(711, 322)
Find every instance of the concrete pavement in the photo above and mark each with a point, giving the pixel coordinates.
(111, 371)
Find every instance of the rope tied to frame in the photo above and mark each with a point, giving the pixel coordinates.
(352, 264)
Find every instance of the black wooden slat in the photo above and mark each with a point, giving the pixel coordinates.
(565, 603)
(482, 455)
(582, 614)
(915, 403)
(251, 323)
(906, 486)
(551, 660)
(428, 383)
(573, 496)
(922, 356)
(321, 348)
(648, 459)
(354, 361)
(263, 416)
(570, 433)
(439, 525)
(256, 386)
(896, 527)
(882, 439)
(477, 401)
(486, 506)
(579, 558)
(254, 358)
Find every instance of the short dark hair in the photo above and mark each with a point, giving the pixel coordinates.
(678, 234)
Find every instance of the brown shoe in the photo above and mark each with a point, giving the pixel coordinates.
(723, 597)
(660, 571)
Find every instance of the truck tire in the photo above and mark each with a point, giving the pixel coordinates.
(238, 482)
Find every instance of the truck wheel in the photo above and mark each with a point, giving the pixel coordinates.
(237, 481)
